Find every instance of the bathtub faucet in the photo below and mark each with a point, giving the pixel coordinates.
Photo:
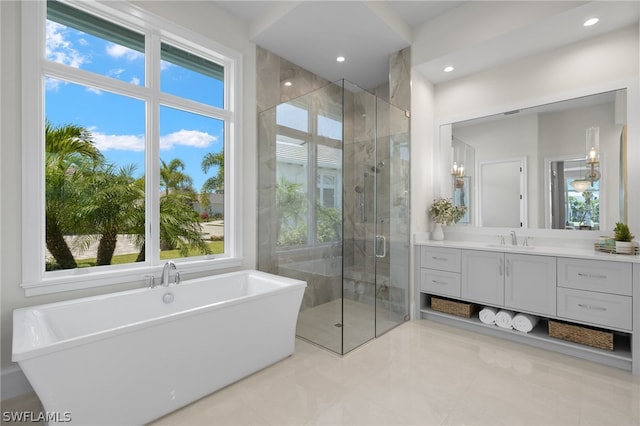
(165, 272)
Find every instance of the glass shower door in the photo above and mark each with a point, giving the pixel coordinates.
(376, 214)
(392, 211)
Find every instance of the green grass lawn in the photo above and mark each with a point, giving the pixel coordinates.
(216, 247)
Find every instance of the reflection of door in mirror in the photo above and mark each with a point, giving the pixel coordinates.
(502, 193)
(574, 199)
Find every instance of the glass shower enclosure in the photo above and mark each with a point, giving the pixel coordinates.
(333, 210)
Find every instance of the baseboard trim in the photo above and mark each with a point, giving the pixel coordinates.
(14, 383)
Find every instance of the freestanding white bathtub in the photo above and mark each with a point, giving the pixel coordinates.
(130, 357)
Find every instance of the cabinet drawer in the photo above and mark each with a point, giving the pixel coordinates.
(595, 275)
(440, 282)
(442, 259)
(608, 310)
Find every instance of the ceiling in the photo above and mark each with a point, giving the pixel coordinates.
(469, 35)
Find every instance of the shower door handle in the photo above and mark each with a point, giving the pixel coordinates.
(384, 246)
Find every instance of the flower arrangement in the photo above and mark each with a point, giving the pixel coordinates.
(443, 211)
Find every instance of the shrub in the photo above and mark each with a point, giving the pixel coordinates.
(622, 233)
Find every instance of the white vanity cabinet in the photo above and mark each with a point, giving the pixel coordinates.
(596, 292)
(530, 283)
(587, 290)
(440, 271)
(520, 282)
(483, 277)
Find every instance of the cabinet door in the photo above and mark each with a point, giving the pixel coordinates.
(530, 283)
(483, 277)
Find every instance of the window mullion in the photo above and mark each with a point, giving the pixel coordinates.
(91, 79)
(152, 183)
(184, 104)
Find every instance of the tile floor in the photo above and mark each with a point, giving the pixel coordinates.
(319, 324)
(423, 373)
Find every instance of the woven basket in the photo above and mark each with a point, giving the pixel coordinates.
(583, 335)
(453, 307)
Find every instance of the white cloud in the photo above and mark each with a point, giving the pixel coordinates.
(135, 80)
(183, 137)
(136, 143)
(116, 72)
(118, 51)
(106, 142)
(59, 49)
(94, 90)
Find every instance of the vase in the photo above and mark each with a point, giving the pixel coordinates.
(438, 233)
(624, 247)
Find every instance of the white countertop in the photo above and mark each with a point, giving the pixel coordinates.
(573, 252)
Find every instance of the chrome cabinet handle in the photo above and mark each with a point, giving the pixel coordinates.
(501, 267)
(599, 277)
(592, 307)
(508, 267)
(439, 282)
(442, 259)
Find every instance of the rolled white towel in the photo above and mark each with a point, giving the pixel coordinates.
(504, 319)
(524, 322)
(488, 315)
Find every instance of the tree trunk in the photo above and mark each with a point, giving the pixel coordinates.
(106, 247)
(141, 254)
(57, 246)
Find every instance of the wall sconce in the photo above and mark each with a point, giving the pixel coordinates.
(457, 168)
(593, 153)
(592, 161)
(457, 171)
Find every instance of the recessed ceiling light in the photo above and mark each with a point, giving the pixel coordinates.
(591, 21)
(340, 59)
(448, 69)
(288, 83)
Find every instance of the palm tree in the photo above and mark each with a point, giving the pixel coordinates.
(180, 225)
(214, 183)
(116, 198)
(70, 155)
(172, 177)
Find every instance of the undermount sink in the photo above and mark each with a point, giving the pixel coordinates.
(510, 247)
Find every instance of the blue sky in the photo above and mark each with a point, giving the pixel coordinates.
(116, 122)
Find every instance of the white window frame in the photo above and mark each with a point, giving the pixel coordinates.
(35, 280)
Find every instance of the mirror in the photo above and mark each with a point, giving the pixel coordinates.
(549, 143)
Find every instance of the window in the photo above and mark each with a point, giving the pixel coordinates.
(308, 172)
(135, 122)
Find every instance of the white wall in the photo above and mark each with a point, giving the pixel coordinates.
(422, 161)
(599, 64)
(201, 17)
(572, 69)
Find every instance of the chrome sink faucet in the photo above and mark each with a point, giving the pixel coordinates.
(165, 272)
(514, 238)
